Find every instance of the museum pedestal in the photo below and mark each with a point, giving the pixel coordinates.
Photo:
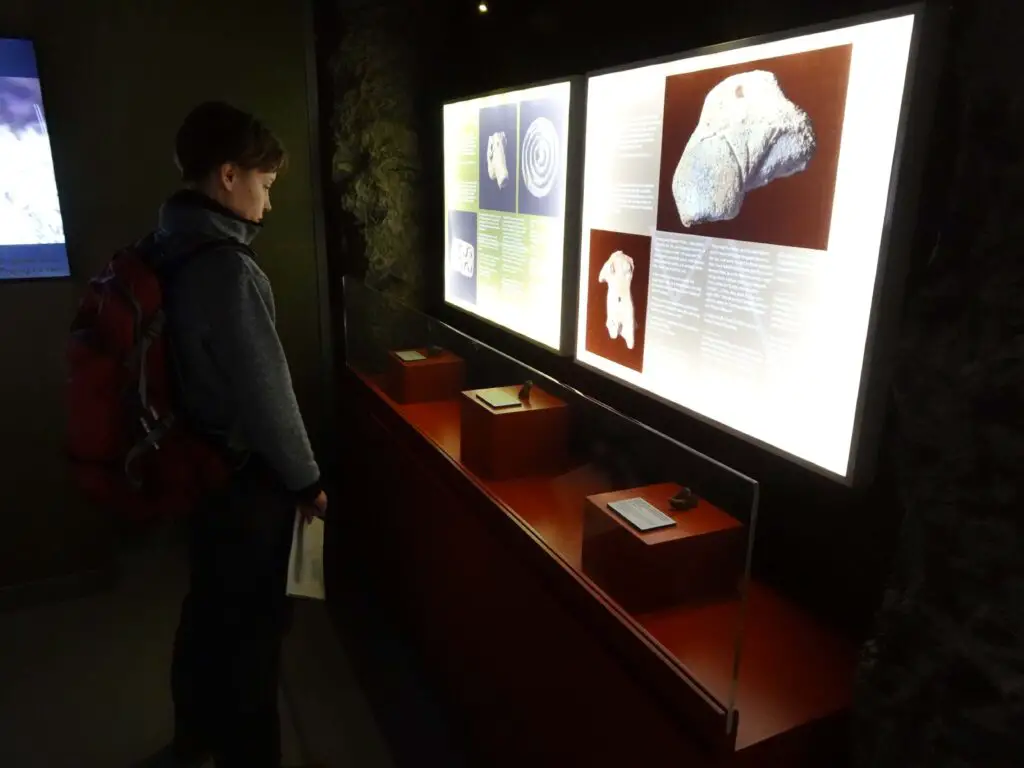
(502, 444)
(701, 557)
(436, 377)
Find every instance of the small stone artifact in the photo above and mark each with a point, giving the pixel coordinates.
(434, 351)
(749, 134)
(684, 500)
(525, 390)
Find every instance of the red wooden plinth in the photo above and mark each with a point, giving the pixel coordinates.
(700, 557)
(440, 377)
(502, 444)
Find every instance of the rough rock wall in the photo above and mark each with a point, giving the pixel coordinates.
(942, 683)
(376, 164)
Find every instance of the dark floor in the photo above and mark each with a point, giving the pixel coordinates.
(83, 683)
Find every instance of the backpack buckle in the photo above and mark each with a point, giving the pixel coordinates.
(155, 326)
(148, 427)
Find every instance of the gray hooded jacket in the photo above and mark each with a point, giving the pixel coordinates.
(233, 381)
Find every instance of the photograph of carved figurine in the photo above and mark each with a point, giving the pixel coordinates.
(542, 157)
(750, 151)
(498, 162)
(460, 260)
(617, 290)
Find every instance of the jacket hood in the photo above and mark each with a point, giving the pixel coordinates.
(190, 218)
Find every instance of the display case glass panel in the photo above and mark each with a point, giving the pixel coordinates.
(657, 531)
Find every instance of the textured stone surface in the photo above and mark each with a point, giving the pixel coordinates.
(942, 682)
(541, 157)
(748, 135)
(376, 165)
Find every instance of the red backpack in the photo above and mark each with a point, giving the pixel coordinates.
(128, 451)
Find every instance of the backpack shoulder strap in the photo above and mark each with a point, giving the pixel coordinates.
(166, 272)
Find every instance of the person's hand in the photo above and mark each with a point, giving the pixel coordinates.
(317, 509)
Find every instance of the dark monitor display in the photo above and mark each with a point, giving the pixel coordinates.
(31, 227)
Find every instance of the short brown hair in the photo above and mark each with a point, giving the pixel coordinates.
(215, 133)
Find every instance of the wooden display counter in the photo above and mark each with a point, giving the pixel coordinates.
(543, 666)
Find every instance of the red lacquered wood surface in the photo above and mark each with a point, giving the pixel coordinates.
(699, 558)
(793, 672)
(508, 443)
(701, 520)
(530, 676)
(437, 377)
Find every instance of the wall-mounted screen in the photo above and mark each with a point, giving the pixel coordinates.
(734, 208)
(31, 228)
(505, 169)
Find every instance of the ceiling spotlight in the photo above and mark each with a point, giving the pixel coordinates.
(482, 7)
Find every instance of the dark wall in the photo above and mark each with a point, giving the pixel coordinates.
(940, 682)
(117, 79)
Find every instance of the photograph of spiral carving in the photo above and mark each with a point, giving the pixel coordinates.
(498, 157)
(541, 157)
(460, 261)
(29, 206)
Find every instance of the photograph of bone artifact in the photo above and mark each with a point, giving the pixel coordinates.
(750, 152)
(617, 275)
(497, 169)
(498, 160)
(542, 157)
(748, 136)
(617, 295)
(461, 272)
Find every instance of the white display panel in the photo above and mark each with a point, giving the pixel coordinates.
(733, 213)
(504, 189)
(31, 226)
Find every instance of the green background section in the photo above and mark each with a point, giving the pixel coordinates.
(466, 127)
(463, 124)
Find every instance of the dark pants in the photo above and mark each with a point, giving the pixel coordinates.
(227, 651)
